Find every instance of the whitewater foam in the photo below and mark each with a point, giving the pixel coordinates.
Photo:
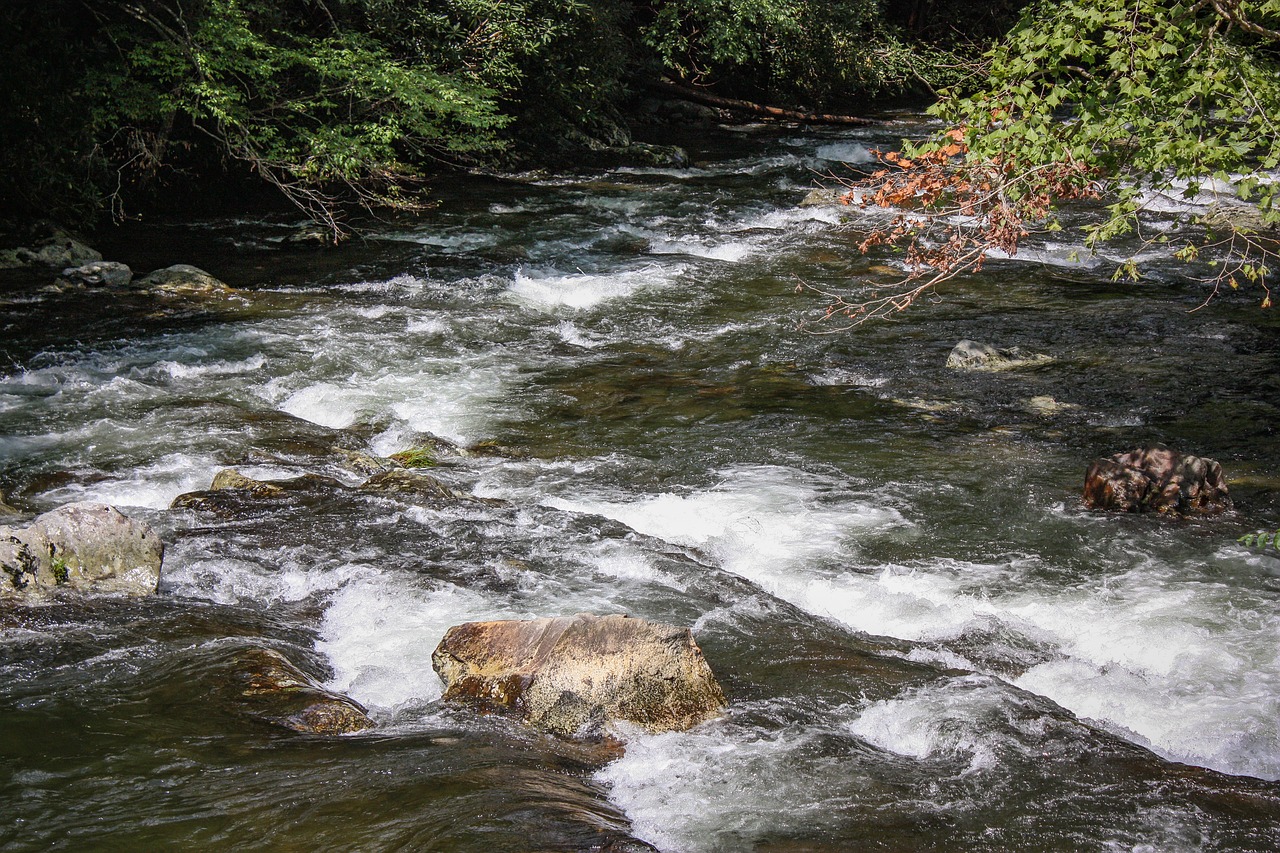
(582, 291)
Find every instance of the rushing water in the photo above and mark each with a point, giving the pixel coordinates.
(927, 643)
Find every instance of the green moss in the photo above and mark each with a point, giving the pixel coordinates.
(416, 457)
(61, 571)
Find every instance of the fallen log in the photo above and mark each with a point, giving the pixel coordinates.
(688, 93)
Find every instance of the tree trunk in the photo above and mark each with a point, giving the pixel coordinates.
(690, 94)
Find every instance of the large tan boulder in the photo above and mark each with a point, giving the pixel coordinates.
(1156, 479)
(572, 675)
(187, 281)
(80, 546)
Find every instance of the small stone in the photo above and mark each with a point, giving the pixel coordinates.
(825, 197)
(1044, 405)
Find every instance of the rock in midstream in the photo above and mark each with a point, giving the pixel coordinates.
(273, 689)
(98, 274)
(573, 675)
(1156, 479)
(83, 547)
(972, 355)
(232, 494)
(184, 280)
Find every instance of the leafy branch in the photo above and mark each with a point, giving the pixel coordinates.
(1088, 100)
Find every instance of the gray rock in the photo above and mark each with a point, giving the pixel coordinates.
(1236, 215)
(971, 355)
(573, 675)
(80, 546)
(58, 251)
(99, 274)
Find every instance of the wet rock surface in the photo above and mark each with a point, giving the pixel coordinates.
(1156, 479)
(413, 486)
(57, 249)
(83, 547)
(271, 688)
(230, 478)
(97, 274)
(828, 197)
(573, 675)
(187, 282)
(232, 493)
(973, 355)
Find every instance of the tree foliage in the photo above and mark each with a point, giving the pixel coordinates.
(816, 52)
(341, 102)
(1085, 98)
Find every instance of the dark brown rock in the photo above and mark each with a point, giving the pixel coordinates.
(413, 486)
(272, 688)
(572, 675)
(1156, 479)
(232, 494)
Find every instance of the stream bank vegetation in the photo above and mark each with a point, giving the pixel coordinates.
(115, 107)
(1127, 105)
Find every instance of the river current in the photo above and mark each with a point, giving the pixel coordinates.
(927, 643)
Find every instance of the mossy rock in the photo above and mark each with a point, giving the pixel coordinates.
(423, 456)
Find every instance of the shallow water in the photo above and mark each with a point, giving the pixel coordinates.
(927, 643)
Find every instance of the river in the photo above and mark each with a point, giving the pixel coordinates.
(927, 643)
